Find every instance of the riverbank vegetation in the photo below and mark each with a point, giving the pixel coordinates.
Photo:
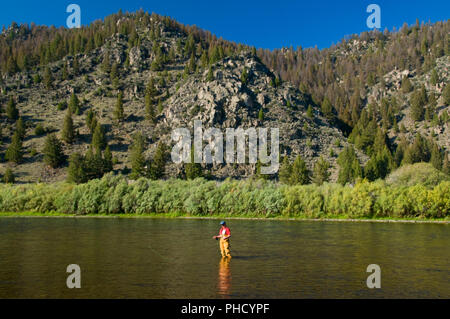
(115, 194)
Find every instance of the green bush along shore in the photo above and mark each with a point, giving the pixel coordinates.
(114, 194)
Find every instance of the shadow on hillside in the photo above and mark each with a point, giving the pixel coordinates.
(119, 147)
(33, 159)
(174, 68)
(27, 118)
(440, 108)
(84, 138)
(134, 118)
(107, 127)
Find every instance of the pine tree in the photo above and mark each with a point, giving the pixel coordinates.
(76, 171)
(309, 112)
(157, 63)
(431, 109)
(151, 88)
(20, 128)
(106, 64)
(204, 59)
(108, 161)
(118, 111)
(272, 82)
(65, 73)
(446, 94)
(99, 137)
(14, 152)
(114, 74)
(418, 101)
(380, 141)
(171, 56)
(9, 177)
(261, 115)
(160, 106)
(76, 67)
(446, 165)
(419, 151)
(137, 157)
(300, 173)
(406, 85)
(68, 131)
(357, 169)
(149, 109)
(192, 64)
(244, 76)
(93, 164)
(258, 173)
(434, 79)
(349, 167)
(11, 66)
(379, 165)
(91, 120)
(396, 129)
(192, 169)
(436, 157)
(320, 172)
(90, 167)
(37, 79)
(74, 104)
(48, 78)
(214, 54)
(327, 109)
(53, 151)
(11, 111)
(277, 81)
(97, 164)
(158, 165)
(285, 171)
(210, 76)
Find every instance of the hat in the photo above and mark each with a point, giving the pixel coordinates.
(222, 223)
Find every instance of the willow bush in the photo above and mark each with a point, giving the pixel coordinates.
(256, 198)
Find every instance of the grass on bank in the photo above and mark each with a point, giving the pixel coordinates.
(181, 216)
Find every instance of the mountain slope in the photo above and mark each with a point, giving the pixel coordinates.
(164, 64)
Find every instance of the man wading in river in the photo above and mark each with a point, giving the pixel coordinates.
(224, 235)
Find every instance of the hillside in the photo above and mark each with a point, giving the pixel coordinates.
(386, 83)
(169, 75)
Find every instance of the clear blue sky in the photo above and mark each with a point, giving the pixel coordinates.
(267, 24)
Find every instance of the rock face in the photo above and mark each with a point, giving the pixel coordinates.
(226, 102)
(137, 56)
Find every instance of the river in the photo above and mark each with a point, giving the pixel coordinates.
(177, 258)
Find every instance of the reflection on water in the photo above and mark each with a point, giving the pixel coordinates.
(176, 258)
(224, 277)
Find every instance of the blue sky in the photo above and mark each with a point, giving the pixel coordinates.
(266, 24)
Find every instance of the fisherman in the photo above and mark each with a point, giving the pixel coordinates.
(224, 236)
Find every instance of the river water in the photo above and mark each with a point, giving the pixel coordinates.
(177, 258)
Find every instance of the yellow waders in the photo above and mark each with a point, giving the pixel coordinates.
(225, 247)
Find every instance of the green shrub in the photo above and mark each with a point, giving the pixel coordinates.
(419, 173)
(254, 197)
(39, 130)
(9, 177)
(303, 200)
